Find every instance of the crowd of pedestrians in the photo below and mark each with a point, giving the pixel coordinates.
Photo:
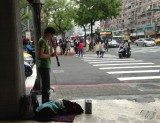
(100, 46)
(65, 46)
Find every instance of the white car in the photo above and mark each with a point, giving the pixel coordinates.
(113, 43)
(146, 42)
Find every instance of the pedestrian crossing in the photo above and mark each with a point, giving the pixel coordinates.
(135, 49)
(145, 49)
(124, 69)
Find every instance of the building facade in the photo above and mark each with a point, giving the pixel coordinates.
(137, 19)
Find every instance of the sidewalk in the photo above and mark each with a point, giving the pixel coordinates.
(114, 109)
(118, 111)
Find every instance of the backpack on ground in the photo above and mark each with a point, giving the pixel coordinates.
(29, 103)
(72, 107)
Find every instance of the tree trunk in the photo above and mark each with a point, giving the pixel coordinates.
(85, 35)
(63, 35)
(92, 43)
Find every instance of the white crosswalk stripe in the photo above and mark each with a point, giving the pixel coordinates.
(123, 67)
(135, 71)
(107, 59)
(138, 78)
(100, 62)
(130, 67)
(122, 64)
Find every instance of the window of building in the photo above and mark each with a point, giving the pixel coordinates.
(154, 5)
(139, 17)
(158, 19)
(154, 12)
(148, 14)
(153, 20)
(143, 15)
(143, 22)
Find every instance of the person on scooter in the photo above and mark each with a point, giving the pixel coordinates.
(30, 49)
(126, 46)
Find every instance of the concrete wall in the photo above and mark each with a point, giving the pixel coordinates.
(12, 85)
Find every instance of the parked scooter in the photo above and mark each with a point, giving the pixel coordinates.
(122, 53)
(28, 69)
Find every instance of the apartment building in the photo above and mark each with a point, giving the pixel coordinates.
(137, 19)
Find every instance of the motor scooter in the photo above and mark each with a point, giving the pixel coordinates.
(122, 53)
(28, 69)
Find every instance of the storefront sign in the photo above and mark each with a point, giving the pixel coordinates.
(150, 33)
(106, 33)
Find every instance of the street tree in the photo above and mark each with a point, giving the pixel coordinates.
(91, 11)
(59, 14)
(25, 14)
(80, 20)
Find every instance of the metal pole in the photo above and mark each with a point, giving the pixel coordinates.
(37, 27)
(36, 9)
(28, 21)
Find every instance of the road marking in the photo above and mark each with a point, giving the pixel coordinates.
(106, 56)
(129, 67)
(138, 78)
(101, 58)
(136, 71)
(88, 60)
(114, 62)
(145, 50)
(122, 64)
(92, 85)
(58, 71)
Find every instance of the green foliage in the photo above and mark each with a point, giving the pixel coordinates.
(23, 3)
(24, 14)
(90, 11)
(59, 14)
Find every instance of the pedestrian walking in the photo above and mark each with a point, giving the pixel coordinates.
(106, 44)
(97, 48)
(68, 47)
(63, 47)
(60, 45)
(80, 48)
(102, 49)
(45, 49)
(76, 46)
(87, 44)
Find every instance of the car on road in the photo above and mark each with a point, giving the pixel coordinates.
(113, 44)
(157, 41)
(146, 42)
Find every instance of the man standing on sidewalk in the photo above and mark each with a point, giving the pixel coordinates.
(45, 53)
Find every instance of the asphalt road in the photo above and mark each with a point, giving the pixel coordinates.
(136, 75)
